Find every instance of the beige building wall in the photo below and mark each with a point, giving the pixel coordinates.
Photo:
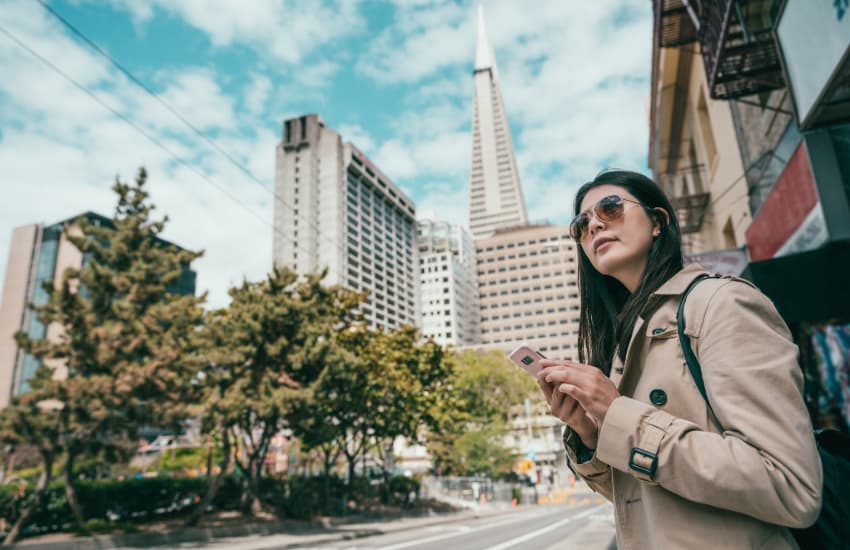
(13, 303)
(18, 291)
(67, 256)
(694, 151)
(528, 290)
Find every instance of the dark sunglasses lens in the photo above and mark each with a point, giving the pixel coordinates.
(578, 225)
(610, 208)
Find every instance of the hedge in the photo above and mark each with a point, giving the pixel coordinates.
(136, 500)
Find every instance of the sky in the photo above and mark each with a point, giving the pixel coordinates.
(392, 76)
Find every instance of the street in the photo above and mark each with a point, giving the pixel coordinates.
(583, 523)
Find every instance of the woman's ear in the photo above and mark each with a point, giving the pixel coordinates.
(663, 217)
(660, 221)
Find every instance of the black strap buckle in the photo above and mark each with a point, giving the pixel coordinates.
(642, 469)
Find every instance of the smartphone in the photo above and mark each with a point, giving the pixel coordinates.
(527, 358)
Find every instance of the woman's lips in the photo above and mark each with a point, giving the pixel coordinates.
(602, 245)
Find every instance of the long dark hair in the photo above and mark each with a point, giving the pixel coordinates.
(608, 310)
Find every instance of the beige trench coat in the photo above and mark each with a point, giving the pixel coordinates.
(738, 486)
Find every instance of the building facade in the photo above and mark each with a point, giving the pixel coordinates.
(335, 210)
(40, 254)
(529, 293)
(694, 153)
(449, 285)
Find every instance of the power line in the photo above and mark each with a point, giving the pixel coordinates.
(144, 133)
(241, 167)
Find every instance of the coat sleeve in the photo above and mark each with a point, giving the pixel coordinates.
(594, 472)
(765, 464)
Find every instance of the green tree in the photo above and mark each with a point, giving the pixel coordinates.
(261, 353)
(124, 341)
(379, 387)
(472, 424)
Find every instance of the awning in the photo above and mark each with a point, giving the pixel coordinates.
(808, 287)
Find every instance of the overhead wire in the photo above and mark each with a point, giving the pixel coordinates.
(20, 43)
(137, 81)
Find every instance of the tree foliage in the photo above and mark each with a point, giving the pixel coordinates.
(472, 424)
(261, 353)
(122, 338)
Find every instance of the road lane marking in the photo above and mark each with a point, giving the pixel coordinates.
(417, 542)
(529, 536)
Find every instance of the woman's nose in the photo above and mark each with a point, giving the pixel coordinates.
(594, 224)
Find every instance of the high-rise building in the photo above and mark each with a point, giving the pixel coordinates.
(526, 273)
(39, 254)
(335, 210)
(495, 194)
(450, 306)
(527, 283)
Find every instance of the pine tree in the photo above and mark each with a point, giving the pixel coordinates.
(125, 339)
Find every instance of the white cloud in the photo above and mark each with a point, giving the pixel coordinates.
(358, 135)
(574, 77)
(195, 94)
(444, 201)
(395, 160)
(257, 94)
(289, 30)
(61, 151)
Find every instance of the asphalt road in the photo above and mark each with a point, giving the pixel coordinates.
(584, 524)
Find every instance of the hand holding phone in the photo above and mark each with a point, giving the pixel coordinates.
(527, 358)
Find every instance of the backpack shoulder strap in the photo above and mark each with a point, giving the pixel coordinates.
(690, 358)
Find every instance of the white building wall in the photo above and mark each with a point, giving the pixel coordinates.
(336, 210)
(450, 306)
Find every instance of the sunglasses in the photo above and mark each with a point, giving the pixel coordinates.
(608, 209)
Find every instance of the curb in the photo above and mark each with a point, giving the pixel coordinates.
(212, 534)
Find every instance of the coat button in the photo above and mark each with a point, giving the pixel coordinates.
(657, 331)
(658, 397)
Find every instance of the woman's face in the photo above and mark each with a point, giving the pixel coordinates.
(618, 248)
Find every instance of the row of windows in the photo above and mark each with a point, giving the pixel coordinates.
(542, 252)
(536, 300)
(524, 289)
(530, 242)
(557, 276)
(525, 337)
(528, 313)
(551, 322)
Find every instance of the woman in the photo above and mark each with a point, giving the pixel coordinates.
(681, 473)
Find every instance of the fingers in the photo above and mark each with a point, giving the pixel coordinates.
(548, 389)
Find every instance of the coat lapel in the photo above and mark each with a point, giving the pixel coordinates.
(628, 371)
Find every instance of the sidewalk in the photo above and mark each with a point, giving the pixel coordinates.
(301, 533)
(298, 534)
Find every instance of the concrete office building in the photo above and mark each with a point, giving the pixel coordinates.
(41, 253)
(450, 305)
(527, 283)
(335, 210)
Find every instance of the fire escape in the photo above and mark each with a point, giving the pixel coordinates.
(735, 40)
(738, 49)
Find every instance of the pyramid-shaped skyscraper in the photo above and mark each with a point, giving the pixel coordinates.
(495, 200)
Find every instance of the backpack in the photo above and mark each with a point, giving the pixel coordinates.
(832, 528)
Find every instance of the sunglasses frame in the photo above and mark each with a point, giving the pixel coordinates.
(594, 210)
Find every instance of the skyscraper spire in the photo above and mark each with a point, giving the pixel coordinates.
(483, 52)
(495, 200)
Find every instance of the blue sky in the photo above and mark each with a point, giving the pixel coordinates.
(394, 77)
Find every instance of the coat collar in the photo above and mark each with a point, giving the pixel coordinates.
(675, 286)
(678, 283)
